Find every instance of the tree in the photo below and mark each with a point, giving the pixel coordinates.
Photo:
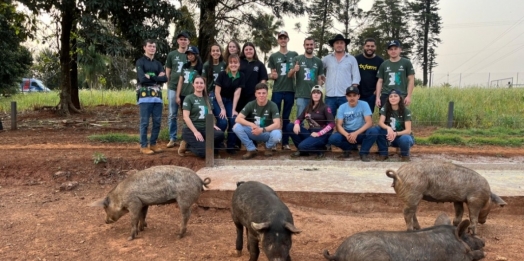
(15, 59)
(320, 25)
(45, 66)
(265, 29)
(347, 12)
(93, 65)
(427, 26)
(185, 23)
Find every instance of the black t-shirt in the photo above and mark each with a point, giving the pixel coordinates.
(228, 84)
(255, 72)
(368, 74)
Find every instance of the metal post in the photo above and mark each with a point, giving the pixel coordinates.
(450, 114)
(13, 115)
(489, 75)
(210, 140)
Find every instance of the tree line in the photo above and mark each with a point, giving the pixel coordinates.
(96, 42)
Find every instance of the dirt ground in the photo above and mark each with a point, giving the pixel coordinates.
(42, 220)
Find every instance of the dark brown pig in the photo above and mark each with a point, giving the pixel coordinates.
(474, 242)
(267, 220)
(153, 186)
(443, 182)
(436, 243)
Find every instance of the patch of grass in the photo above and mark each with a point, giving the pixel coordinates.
(491, 132)
(99, 157)
(475, 137)
(115, 138)
(446, 139)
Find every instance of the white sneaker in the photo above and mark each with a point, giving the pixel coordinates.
(286, 147)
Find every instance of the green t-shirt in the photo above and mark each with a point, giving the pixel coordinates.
(188, 74)
(175, 61)
(216, 70)
(395, 75)
(282, 63)
(396, 121)
(262, 116)
(307, 76)
(197, 108)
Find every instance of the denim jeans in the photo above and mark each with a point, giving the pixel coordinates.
(228, 122)
(404, 142)
(334, 102)
(302, 104)
(305, 142)
(288, 98)
(371, 101)
(199, 147)
(173, 112)
(365, 139)
(246, 137)
(147, 110)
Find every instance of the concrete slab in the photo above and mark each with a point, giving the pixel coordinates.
(339, 184)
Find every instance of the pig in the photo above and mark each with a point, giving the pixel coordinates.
(153, 186)
(436, 243)
(443, 182)
(266, 218)
(474, 242)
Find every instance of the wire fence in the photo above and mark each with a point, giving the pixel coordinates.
(480, 79)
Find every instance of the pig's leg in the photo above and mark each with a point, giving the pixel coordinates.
(416, 225)
(142, 221)
(240, 240)
(459, 211)
(410, 211)
(186, 212)
(134, 210)
(474, 210)
(254, 251)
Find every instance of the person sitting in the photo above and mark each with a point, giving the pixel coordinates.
(320, 121)
(394, 127)
(353, 120)
(194, 109)
(259, 121)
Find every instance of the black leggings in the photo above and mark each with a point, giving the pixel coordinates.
(199, 147)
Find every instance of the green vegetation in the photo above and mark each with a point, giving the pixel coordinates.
(474, 137)
(115, 138)
(99, 157)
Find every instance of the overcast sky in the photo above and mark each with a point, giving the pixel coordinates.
(482, 41)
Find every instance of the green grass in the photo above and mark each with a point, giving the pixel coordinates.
(474, 137)
(115, 138)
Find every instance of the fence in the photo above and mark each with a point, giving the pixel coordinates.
(487, 79)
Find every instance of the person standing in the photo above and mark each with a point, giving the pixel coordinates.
(280, 64)
(175, 61)
(190, 70)
(307, 71)
(259, 121)
(150, 77)
(212, 67)
(341, 72)
(368, 64)
(255, 72)
(232, 48)
(395, 73)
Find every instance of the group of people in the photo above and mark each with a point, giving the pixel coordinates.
(232, 85)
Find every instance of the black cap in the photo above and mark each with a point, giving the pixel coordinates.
(352, 89)
(396, 92)
(337, 38)
(182, 34)
(393, 43)
(192, 49)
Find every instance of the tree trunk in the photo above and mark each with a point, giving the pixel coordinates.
(323, 29)
(207, 30)
(75, 98)
(427, 18)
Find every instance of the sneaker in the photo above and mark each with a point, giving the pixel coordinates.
(172, 143)
(364, 157)
(146, 151)
(405, 158)
(286, 147)
(182, 148)
(269, 152)
(345, 154)
(250, 154)
(155, 148)
(383, 157)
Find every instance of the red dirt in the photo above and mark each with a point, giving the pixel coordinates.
(42, 222)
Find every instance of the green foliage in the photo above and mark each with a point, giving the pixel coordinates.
(45, 68)
(99, 157)
(320, 26)
(265, 30)
(498, 136)
(114, 138)
(185, 22)
(93, 65)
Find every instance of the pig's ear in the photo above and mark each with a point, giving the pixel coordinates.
(260, 226)
(442, 219)
(292, 228)
(100, 203)
(497, 200)
(462, 228)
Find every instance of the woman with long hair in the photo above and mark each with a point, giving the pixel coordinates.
(254, 71)
(320, 121)
(213, 66)
(228, 88)
(190, 70)
(394, 127)
(232, 48)
(194, 110)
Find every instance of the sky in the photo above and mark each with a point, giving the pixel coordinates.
(482, 42)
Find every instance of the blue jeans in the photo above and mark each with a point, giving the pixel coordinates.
(228, 122)
(246, 137)
(305, 142)
(173, 112)
(289, 99)
(404, 142)
(147, 110)
(366, 140)
(334, 102)
(302, 104)
(371, 101)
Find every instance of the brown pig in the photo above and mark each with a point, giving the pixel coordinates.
(153, 186)
(443, 182)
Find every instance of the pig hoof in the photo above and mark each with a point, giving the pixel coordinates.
(236, 253)
(180, 236)
(130, 238)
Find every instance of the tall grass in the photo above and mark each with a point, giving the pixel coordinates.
(473, 107)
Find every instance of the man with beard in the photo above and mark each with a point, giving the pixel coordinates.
(341, 73)
(368, 64)
(307, 70)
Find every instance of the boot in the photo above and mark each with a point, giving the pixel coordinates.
(155, 148)
(250, 154)
(146, 151)
(182, 148)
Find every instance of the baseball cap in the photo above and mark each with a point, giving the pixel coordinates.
(317, 88)
(395, 91)
(182, 34)
(192, 49)
(352, 89)
(282, 33)
(393, 43)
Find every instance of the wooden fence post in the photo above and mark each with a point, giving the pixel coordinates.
(450, 114)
